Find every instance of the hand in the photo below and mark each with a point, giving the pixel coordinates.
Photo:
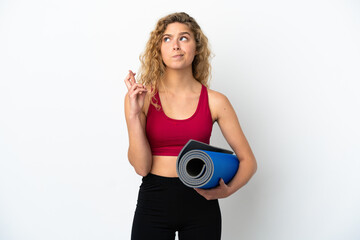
(221, 191)
(136, 93)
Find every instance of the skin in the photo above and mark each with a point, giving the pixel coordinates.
(179, 94)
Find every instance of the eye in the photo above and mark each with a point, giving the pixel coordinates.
(183, 38)
(166, 39)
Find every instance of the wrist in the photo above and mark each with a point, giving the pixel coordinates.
(134, 116)
(230, 190)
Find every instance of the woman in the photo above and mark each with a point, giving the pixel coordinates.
(169, 105)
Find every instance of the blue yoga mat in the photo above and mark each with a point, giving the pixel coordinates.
(200, 165)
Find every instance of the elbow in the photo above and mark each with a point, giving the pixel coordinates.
(142, 171)
(142, 165)
(255, 166)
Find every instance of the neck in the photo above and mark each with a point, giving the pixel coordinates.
(175, 80)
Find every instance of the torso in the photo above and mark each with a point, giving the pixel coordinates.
(175, 107)
(164, 166)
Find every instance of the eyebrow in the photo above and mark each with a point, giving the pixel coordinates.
(182, 33)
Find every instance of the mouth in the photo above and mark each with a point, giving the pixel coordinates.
(178, 56)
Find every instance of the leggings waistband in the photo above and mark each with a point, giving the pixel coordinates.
(163, 179)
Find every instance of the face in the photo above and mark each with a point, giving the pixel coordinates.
(178, 46)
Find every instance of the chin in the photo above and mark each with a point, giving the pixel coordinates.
(178, 66)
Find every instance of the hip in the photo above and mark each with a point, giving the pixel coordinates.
(168, 195)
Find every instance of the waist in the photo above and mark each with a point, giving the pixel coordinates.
(164, 166)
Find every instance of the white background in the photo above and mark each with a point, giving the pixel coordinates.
(290, 69)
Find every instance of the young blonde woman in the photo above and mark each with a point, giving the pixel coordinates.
(168, 105)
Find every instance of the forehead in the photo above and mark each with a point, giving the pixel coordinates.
(174, 28)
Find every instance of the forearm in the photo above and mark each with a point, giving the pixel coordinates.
(139, 152)
(247, 169)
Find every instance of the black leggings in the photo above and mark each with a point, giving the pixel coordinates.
(165, 205)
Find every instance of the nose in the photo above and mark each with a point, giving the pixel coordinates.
(176, 46)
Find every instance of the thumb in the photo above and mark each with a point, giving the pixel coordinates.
(221, 182)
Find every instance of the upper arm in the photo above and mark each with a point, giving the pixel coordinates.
(225, 115)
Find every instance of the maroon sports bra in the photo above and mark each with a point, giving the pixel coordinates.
(168, 136)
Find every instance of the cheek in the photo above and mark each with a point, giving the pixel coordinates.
(163, 55)
(192, 50)
(163, 51)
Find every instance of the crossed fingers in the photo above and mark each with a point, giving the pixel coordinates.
(130, 79)
(132, 86)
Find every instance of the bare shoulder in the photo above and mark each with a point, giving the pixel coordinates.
(218, 103)
(217, 99)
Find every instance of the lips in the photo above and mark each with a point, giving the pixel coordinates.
(178, 56)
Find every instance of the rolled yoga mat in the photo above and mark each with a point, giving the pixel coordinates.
(200, 165)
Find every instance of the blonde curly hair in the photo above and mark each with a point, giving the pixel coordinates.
(152, 67)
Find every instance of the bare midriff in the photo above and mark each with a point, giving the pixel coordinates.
(164, 166)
